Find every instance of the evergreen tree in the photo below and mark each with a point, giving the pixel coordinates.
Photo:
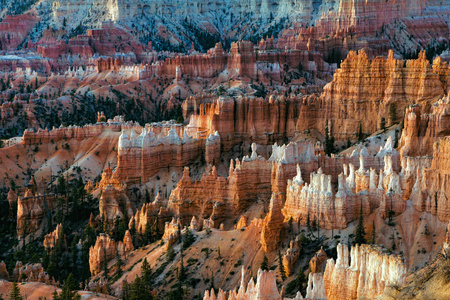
(61, 185)
(308, 223)
(119, 264)
(383, 124)
(188, 238)
(148, 236)
(170, 254)
(15, 292)
(147, 196)
(53, 267)
(182, 273)
(146, 273)
(126, 290)
(374, 236)
(360, 134)
(301, 281)
(360, 232)
(392, 113)
(55, 295)
(281, 266)
(265, 263)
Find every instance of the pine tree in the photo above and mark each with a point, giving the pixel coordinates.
(392, 113)
(360, 232)
(360, 135)
(301, 280)
(146, 273)
(148, 236)
(55, 295)
(281, 266)
(383, 124)
(265, 263)
(126, 290)
(15, 292)
(374, 236)
(188, 239)
(119, 264)
(147, 196)
(182, 274)
(61, 185)
(170, 254)
(308, 223)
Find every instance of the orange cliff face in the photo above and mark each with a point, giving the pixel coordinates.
(264, 121)
(422, 130)
(370, 272)
(253, 178)
(365, 277)
(31, 211)
(378, 88)
(106, 249)
(141, 157)
(431, 189)
(357, 189)
(52, 239)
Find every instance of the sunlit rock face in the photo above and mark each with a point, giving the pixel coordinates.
(106, 249)
(365, 276)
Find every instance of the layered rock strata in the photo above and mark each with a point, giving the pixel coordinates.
(265, 288)
(172, 232)
(291, 256)
(422, 130)
(30, 273)
(380, 88)
(273, 223)
(357, 191)
(251, 179)
(114, 204)
(365, 276)
(153, 213)
(106, 249)
(52, 239)
(31, 211)
(318, 263)
(44, 136)
(14, 30)
(431, 189)
(141, 157)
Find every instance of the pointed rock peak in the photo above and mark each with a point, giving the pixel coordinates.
(364, 151)
(123, 135)
(254, 154)
(389, 144)
(298, 178)
(186, 173)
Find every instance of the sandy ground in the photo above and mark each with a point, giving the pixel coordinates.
(37, 290)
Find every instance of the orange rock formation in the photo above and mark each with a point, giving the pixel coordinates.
(51, 239)
(369, 272)
(106, 249)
